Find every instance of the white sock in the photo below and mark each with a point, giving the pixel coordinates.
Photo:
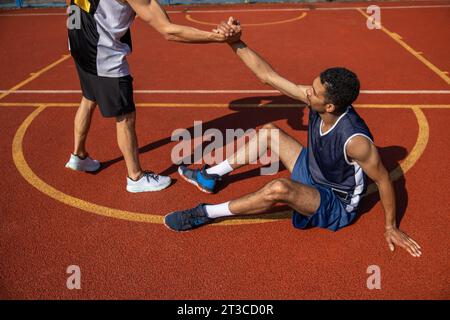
(218, 210)
(221, 169)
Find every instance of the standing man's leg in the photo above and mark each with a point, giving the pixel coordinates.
(82, 124)
(79, 159)
(138, 180)
(128, 144)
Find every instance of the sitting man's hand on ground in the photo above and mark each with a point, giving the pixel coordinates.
(395, 236)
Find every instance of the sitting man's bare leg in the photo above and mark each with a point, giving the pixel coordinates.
(282, 146)
(300, 197)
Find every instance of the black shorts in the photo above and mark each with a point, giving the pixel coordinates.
(114, 96)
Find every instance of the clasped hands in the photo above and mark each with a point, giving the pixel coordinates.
(230, 30)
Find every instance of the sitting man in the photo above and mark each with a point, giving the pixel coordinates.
(328, 176)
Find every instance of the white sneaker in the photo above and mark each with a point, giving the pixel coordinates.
(148, 182)
(86, 164)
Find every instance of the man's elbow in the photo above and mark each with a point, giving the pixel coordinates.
(170, 37)
(167, 31)
(265, 78)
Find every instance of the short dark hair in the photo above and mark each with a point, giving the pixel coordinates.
(341, 87)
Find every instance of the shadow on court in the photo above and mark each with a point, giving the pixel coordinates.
(243, 117)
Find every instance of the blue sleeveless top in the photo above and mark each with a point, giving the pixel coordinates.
(327, 158)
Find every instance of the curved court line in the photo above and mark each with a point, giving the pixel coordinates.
(414, 155)
(189, 18)
(28, 174)
(35, 181)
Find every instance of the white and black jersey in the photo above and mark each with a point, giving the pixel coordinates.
(103, 41)
(99, 47)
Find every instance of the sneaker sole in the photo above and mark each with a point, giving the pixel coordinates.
(140, 189)
(193, 182)
(86, 170)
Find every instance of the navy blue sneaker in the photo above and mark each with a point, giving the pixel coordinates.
(198, 177)
(187, 219)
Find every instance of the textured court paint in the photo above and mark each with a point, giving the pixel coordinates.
(139, 260)
(189, 18)
(28, 174)
(397, 38)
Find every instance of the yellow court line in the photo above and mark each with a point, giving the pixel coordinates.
(224, 105)
(189, 18)
(35, 181)
(416, 152)
(397, 38)
(29, 176)
(34, 76)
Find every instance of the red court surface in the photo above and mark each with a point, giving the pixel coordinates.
(53, 217)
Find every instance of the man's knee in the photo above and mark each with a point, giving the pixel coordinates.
(267, 130)
(277, 190)
(128, 119)
(88, 104)
(269, 126)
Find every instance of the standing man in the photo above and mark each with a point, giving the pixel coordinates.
(328, 175)
(99, 48)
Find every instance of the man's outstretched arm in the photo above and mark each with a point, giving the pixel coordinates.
(365, 153)
(152, 13)
(264, 71)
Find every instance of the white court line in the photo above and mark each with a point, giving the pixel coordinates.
(308, 9)
(225, 91)
(31, 14)
(249, 10)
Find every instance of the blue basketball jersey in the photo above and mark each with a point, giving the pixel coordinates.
(327, 159)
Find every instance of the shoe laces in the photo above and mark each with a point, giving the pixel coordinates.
(151, 175)
(192, 217)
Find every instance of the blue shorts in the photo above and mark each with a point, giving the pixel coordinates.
(331, 213)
